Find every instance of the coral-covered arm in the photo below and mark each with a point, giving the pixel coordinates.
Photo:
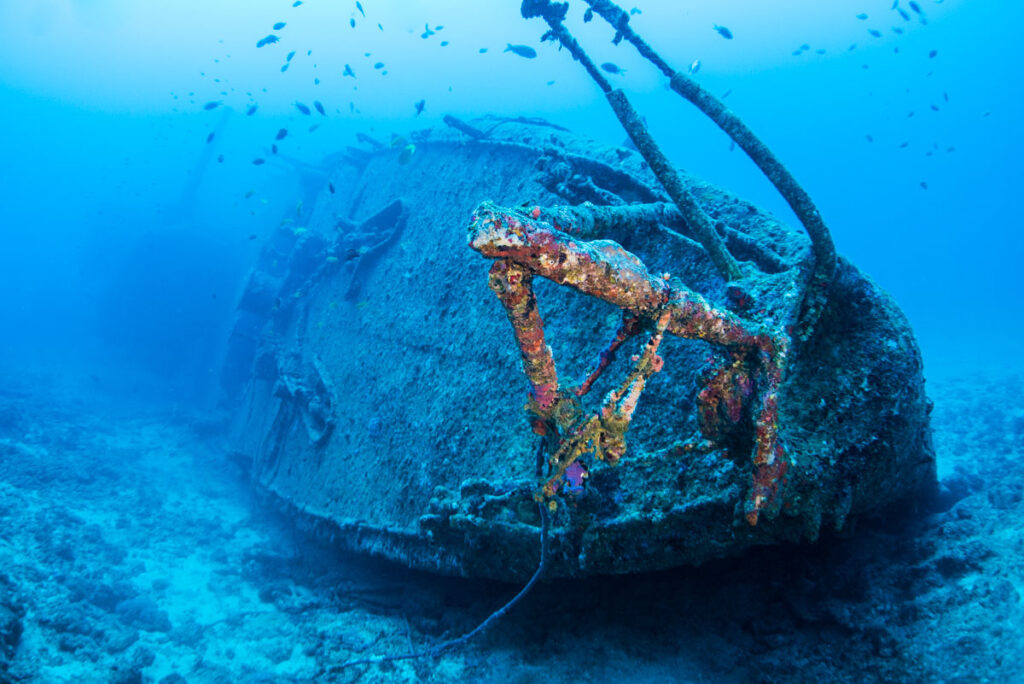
(514, 286)
(598, 268)
(602, 269)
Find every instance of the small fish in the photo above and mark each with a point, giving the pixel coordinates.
(251, 110)
(380, 27)
(924, 186)
(398, 141)
(906, 17)
(279, 25)
(894, 3)
(406, 154)
(903, 145)
(249, 193)
(211, 105)
(613, 68)
(420, 106)
(694, 66)
(482, 50)
(869, 138)
(253, 236)
(588, 16)
(723, 31)
(876, 34)
(273, 149)
(853, 46)
(316, 81)
(348, 71)
(914, 6)
(284, 67)
(439, 28)
(378, 65)
(935, 108)
(551, 83)
(209, 138)
(359, 6)
(352, 23)
(797, 53)
(258, 161)
(897, 30)
(281, 134)
(945, 96)
(726, 94)
(289, 56)
(267, 40)
(862, 16)
(444, 43)
(220, 158)
(302, 108)
(931, 55)
(635, 10)
(820, 51)
(313, 127)
(296, 3)
(308, 53)
(521, 50)
(330, 186)
(427, 32)
(319, 107)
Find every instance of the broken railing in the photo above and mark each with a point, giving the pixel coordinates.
(528, 245)
(744, 382)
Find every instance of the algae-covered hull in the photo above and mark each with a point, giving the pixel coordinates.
(380, 391)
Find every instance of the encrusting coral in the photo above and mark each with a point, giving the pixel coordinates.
(540, 244)
(524, 246)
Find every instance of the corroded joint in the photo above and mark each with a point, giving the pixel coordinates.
(549, 11)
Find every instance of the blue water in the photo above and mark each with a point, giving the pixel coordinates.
(104, 122)
(126, 241)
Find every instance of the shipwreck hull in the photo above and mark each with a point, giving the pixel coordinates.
(379, 391)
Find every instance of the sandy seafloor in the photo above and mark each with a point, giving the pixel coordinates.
(132, 549)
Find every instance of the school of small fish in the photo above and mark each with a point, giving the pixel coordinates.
(913, 14)
(906, 17)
